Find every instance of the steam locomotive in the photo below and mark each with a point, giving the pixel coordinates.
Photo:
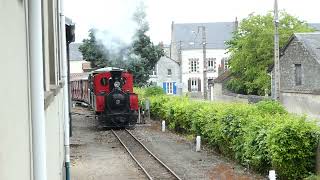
(113, 99)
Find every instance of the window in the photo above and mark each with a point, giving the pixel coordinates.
(212, 64)
(194, 65)
(154, 71)
(169, 88)
(298, 73)
(194, 85)
(226, 66)
(169, 72)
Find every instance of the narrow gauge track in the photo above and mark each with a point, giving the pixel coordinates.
(152, 166)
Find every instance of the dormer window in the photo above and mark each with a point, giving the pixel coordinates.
(169, 72)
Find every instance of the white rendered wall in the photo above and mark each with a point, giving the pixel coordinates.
(198, 53)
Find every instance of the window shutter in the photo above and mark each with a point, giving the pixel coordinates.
(174, 88)
(199, 85)
(164, 87)
(189, 85)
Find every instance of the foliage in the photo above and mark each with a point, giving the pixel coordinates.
(252, 50)
(262, 136)
(271, 107)
(153, 91)
(93, 51)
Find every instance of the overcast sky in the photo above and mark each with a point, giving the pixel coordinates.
(114, 16)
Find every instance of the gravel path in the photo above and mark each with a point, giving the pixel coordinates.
(98, 155)
(179, 154)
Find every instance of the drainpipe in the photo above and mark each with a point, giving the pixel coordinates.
(37, 91)
(65, 90)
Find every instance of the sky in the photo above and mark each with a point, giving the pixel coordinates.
(115, 16)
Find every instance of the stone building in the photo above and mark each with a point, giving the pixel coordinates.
(300, 74)
(166, 74)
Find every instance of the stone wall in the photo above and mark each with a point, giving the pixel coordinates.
(219, 93)
(297, 54)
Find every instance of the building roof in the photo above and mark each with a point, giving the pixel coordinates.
(68, 21)
(315, 26)
(79, 76)
(75, 54)
(223, 77)
(107, 69)
(217, 34)
(311, 41)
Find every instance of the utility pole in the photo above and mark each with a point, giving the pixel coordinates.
(205, 65)
(276, 53)
(180, 63)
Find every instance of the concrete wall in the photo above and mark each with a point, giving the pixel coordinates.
(198, 53)
(308, 104)
(15, 130)
(15, 107)
(55, 137)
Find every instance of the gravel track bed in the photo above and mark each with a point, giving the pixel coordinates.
(179, 154)
(147, 161)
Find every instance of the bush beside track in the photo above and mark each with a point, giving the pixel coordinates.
(262, 136)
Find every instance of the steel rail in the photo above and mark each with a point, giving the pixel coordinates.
(144, 147)
(144, 170)
(154, 156)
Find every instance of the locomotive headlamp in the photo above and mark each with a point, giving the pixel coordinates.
(117, 84)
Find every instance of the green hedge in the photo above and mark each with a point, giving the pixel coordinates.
(262, 136)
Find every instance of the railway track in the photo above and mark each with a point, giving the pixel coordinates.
(152, 166)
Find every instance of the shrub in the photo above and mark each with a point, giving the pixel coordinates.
(292, 145)
(261, 136)
(153, 91)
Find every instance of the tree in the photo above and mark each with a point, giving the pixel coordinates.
(93, 51)
(139, 57)
(144, 54)
(252, 50)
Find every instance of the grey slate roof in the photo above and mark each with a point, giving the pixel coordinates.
(311, 41)
(68, 21)
(315, 25)
(217, 34)
(75, 54)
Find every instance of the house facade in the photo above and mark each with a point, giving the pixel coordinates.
(32, 108)
(166, 74)
(187, 42)
(300, 74)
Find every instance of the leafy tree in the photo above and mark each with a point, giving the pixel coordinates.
(94, 51)
(252, 50)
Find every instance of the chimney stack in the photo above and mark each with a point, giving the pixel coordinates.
(236, 24)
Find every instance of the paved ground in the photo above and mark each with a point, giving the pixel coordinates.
(97, 155)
